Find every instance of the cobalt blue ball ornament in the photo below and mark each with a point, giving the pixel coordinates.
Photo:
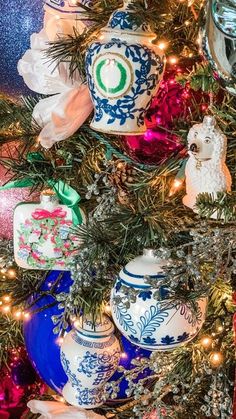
(129, 353)
(18, 20)
(41, 343)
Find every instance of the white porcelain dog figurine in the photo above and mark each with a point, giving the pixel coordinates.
(206, 170)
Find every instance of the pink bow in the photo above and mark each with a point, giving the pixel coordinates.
(40, 214)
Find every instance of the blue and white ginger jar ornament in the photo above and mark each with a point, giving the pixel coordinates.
(150, 323)
(89, 357)
(124, 69)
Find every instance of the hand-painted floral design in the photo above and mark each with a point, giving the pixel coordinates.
(168, 340)
(145, 295)
(45, 240)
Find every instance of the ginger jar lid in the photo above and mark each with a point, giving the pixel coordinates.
(139, 269)
(103, 326)
(125, 19)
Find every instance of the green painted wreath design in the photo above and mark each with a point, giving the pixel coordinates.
(45, 240)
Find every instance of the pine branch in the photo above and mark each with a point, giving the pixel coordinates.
(10, 336)
(223, 206)
(200, 78)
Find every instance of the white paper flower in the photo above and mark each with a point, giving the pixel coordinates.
(58, 410)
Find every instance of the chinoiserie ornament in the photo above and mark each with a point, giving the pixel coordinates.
(148, 322)
(69, 104)
(89, 356)
(206, 170)
(43, 238)
(123, 69)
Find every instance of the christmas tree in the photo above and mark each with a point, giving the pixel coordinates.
(117, 280)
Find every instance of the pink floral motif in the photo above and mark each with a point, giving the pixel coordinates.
(35, 255)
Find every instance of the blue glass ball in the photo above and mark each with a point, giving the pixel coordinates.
(40, 341)
(18, 20)
(129, 353)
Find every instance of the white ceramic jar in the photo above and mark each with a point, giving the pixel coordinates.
(89, 357)
(150, 323)
(124, 68)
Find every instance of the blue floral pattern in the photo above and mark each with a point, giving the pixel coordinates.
(118, 285)
(123, 20)
(151, 320)
(183, 337)
(150, 341)
(145, 295)
(124, 318)
(101, 364)
(98, 366)
(75, 382)
(149, 66)
(168, 340)
(151, 323)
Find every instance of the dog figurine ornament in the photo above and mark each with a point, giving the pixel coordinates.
(206, 170)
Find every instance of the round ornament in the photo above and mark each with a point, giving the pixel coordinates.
(22, 372)
(172, 102)
(129, 354)
(89, 355)
(17, 24)
(147, 322)
(18, 382)
(42, 344)
(124, 69)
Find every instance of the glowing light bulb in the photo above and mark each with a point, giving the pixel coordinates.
(220, 328)
(26, 316)
(216, 359)
(173, 60)
(177, 183)
(11, 273)
(6, 309)
(206, 342)
(59, 341)
(123, 355)
(108, 308)
(18, 314)
(162, 45)
(7, 298)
